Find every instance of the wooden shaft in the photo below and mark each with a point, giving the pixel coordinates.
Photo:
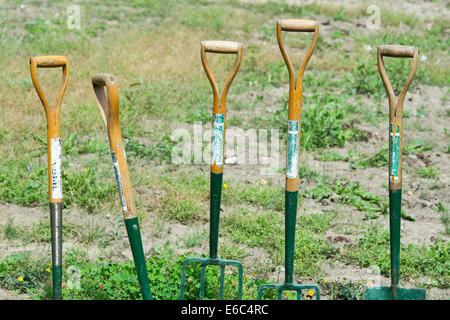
(108, 102)
(295, 95)
(219, 107)
(298, 25)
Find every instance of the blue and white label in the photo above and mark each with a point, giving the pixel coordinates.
(217, 140)
(55, 161)
(394, 147)
(292, 149)
(119, 181)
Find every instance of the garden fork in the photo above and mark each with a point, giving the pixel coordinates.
(217, 155)
(293, 150)
(108, 103)
(394, 292)
(54, 159)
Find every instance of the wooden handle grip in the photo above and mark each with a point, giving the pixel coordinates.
(298, 25)
(49, 61)
(397, 51)
(102, 79)
(221, 46)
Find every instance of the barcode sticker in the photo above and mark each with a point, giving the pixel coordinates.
(119, 181)
(292, 149)
(217, 140)
(395, 151)
(55, 149)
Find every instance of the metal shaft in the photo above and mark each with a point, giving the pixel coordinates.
(290, 222)
(134, 236)
(214, 213)
(395, 200)
(56, 238)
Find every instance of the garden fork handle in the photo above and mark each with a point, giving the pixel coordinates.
(396, 108)
(295, 94)
(218, 131)
(52, 113)
(395, 150)
(108, 103)
(54, 159)
(293, 144)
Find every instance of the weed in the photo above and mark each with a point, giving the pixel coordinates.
(87, 188)
(22, 272)
(445, 217)
(428, 173)
(195, 239)
(332, 156)
(10, 231)
(345, 291)
(161, 151)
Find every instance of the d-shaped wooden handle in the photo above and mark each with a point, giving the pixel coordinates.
(397, 51)
(297, 25)
(295, 95)
(221, 46)
(219, 107)
(396, 107)
(108, 103)
(52, 113)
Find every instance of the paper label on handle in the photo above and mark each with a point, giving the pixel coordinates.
(217, 140)
(55, 150)
(119, 181)
(395, 151)
(292, 149)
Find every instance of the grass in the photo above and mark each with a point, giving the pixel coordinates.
(105, 280)
(152, 47)
(415, 260)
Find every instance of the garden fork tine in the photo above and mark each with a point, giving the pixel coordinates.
(217, 151)
(394, 292)
(109, 107)
(54, 159)
(293, 150)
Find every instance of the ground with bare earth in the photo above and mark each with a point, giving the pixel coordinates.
(427, 104)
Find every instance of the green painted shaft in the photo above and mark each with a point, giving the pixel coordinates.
(134, 236)
(214, 213)
(290, 222)
(395, 202)
(57, 282)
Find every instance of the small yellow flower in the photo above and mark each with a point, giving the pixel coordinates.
(325, 281)
(85, 170)
(48, 270)
(254, 274)
(310, 293)
(225, 186)
(369, 282)
(20, 278)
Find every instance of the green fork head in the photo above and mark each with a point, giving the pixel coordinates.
(280, 288)
(204, 262)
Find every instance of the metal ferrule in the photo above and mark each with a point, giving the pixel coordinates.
(56, 232)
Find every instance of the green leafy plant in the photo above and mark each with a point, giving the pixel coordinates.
(429, 172)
